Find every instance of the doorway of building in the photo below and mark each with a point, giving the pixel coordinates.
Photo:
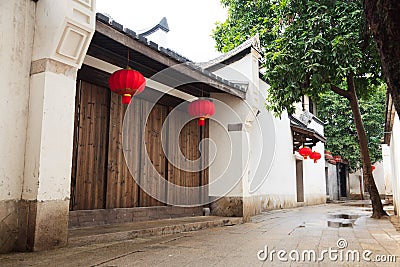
(299, 181)
(327, 181)
(342, 176)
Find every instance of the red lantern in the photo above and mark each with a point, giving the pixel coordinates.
(127, 82)
(337, 158)
(315, 156)
(305, 152)
(201, 108)
(373, 167)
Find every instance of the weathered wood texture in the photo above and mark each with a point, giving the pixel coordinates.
(101, 177)
(122, 190)
(183, 147)
(90, 146)
(154, 152)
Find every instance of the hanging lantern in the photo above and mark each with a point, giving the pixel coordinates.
(305, 152)
(201, 108)
(373, 167)
(127, 82)
(337, 159)
(315, 156)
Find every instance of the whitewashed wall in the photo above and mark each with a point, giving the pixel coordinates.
(395, 161)
(16, 17)
(387, 169)
(233, 147)
(379, 179)
(269, 179)
(354, 182)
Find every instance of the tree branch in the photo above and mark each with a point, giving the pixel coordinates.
(336, 89)
(339, 91)
(306, 83)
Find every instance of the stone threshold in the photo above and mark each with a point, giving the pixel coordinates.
(119, 232)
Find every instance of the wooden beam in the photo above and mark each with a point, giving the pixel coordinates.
(115, 59)
(100, 78)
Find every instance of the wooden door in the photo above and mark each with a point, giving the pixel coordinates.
(101, 178)
(90, 147)
(299, 181)
(183, 147)
(122, 190)
(157, 162)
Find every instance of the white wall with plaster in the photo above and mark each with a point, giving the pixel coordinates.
(395, 161)
(387, 169)
(17, 22)
(270, 169)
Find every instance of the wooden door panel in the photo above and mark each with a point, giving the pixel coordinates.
(90, 147)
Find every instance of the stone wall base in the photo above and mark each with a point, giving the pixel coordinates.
(247, 207)
(32, 225)
(47, 224)
(227, 207)
(9, 230)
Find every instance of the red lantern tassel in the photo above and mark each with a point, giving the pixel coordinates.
(126, 99)
(201, 121)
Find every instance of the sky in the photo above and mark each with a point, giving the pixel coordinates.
(190, 22)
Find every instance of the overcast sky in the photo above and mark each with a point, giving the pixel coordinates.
(190, 22)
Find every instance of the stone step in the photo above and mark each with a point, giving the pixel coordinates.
(119, 232)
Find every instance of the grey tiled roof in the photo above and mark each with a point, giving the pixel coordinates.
(165, 51)
(163, 25)
(251, 42)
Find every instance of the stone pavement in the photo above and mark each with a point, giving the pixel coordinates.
(297, 230)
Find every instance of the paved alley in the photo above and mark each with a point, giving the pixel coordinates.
(271, 239)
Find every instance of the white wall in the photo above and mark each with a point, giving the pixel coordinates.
(280, 180)
(234, 150)
(17, 22)
(70, 24)
(387, 169)
(269, 174)
(354, 181)
(314, 176)
(379, 177)
(50, 133)
(395, 161)
(227, 166)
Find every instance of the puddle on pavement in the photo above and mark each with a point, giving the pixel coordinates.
(339, 220)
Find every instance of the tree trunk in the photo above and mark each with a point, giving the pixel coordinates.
(383, 20)
(369, 182)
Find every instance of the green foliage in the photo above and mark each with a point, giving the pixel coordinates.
(245, 19)
(340, 130)
(307, 45)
